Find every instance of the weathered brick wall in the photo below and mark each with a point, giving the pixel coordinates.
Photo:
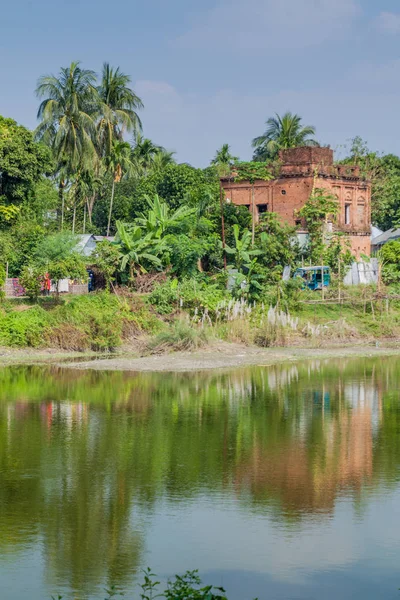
(302, 169)
(79, 289)
(13, 289)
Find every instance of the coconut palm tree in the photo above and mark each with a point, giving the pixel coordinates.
(67, 114)
(118, 106)
(162, 159)
(224, 160)
(144, 154)
(118, 162)
(283, 132)
(67, 121)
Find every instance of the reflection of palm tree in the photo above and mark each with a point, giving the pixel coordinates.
(264, 429)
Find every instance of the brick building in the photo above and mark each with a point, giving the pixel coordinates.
(301, 169)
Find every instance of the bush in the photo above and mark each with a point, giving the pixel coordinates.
(165, 297)
(24, 328)
(190, 294)
(180, 336)
(99, 316)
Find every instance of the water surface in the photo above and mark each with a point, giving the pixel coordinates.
(278, 482)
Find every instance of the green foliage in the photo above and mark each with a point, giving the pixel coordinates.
(165, 297)
(31, 279)
(22, 163)
(252, 171)
(106, 258)
(182, 587)
(242, 252)
(177, 180)
(180, 336)
(58, 255)
(189, 294)
(320, 207)
(283, 132)
(389, 256)
(138, 251)
(383, 171)
(23, 328)
(99, 316)
(18, 246)
(224, 160)
(277, 243)
(159, 217)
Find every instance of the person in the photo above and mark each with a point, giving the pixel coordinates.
(47, 284)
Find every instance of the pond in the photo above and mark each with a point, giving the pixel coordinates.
(279, 482)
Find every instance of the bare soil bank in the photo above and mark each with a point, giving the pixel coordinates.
(218, 356)
(224, 356)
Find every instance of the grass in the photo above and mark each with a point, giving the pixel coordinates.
(103, 322)
(180, 336)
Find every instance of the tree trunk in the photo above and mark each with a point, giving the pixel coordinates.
(111, 207)
(90, 206)
(84, 219)
(61, 201)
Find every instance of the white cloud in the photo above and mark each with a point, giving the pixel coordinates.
(389, 22)
(278, 24)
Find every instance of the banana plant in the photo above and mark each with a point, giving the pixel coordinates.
(242, 253)
(138, 250)
(160, 217)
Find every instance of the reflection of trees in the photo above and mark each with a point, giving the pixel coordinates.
(80, 451)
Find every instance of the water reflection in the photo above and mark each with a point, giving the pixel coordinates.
(88, 460)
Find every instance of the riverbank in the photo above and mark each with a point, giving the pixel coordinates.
(215, 356)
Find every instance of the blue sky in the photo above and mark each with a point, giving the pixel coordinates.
(213, 71)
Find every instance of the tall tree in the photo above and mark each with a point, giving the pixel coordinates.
(224, 160)
(118, 162)
(283, 132)
(23, 162)
(118, 107)
(67, 114)
(144, 153)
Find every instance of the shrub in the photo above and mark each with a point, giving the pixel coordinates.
(24, 328)
(190, 294)
(165, 297)
(31, 280)
(100, 316)
(180, 336)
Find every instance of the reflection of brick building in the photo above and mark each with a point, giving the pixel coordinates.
(303, 168)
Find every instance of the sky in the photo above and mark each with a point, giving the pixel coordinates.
(214, 71)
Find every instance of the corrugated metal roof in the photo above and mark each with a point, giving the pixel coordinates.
(391, 234)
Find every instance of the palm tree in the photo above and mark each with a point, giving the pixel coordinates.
(145, 154)
(118, 106)
(283, 132)
(67, 115)
(162, 159)
(118, 162)
(224, 160)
